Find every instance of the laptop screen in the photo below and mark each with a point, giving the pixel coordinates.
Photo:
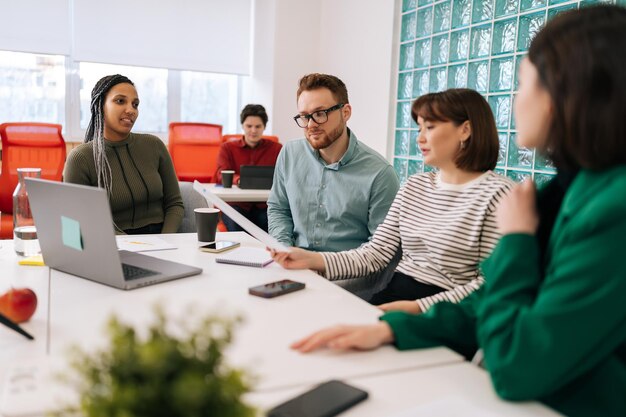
(258, 177)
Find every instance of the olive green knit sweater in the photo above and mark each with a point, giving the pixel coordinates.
(144, 187)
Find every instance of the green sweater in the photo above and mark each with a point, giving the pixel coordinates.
(556, 335)
(144, 185)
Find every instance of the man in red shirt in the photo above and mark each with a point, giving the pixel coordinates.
(250, 149)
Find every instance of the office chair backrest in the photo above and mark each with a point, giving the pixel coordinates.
(194, 148)
(29, 145)
(191, 200)
(228, 138)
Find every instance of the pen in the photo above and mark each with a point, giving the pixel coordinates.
(12, 325)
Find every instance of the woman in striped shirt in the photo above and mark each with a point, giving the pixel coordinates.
(443, 222)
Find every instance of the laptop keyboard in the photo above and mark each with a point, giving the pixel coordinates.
(134, 272)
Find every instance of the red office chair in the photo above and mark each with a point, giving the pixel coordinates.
(27, 145)
(194, 148)
(228, 138)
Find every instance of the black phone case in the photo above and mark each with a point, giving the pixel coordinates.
(261, 291)
(325, 400)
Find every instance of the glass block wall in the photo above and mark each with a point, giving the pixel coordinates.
(476, 44)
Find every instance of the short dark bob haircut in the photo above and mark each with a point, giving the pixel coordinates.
(459, 105)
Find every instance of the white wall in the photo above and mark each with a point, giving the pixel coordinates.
(258, 88)
(352, 39)
(356, 45)
(296, 53)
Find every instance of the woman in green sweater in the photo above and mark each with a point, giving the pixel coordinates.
(550, 321)
(135, 169)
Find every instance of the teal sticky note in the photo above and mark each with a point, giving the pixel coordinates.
(71, 233)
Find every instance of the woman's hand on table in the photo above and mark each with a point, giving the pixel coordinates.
(343, 337)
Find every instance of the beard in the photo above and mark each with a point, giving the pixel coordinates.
(324, 140)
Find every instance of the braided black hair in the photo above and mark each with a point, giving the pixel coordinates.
(95, 129)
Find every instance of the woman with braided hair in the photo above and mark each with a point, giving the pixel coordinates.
(135, 169)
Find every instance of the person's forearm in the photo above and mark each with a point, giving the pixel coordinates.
(317, 262)
(280, 226)
(385, 333)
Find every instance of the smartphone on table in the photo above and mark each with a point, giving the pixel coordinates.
(325, 400)
(219, 246)
(274, 289)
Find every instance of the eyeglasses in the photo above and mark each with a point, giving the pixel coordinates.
(319, 117)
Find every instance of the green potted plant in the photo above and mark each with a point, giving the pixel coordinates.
(173, 371)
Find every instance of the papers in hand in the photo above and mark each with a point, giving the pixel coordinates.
(142, 244)
(246, 224)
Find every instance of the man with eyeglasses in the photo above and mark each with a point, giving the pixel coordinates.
(330, 191)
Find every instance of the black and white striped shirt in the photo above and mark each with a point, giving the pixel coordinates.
(444, 230)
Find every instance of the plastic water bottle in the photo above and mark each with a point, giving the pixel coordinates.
(24, 232)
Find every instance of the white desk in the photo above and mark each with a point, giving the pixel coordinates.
(237, 195)
(79, 309)
(452, 390)
(262, 342)
(14, 346)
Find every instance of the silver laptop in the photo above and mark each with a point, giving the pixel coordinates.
(75, 231)
(256, 177)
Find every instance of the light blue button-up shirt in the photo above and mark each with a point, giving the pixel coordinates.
(329, 207)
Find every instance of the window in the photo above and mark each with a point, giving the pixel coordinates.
(151, 87)
(209, 98)
(32, 88)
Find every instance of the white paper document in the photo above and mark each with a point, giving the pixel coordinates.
(246, 224)
(142, 244)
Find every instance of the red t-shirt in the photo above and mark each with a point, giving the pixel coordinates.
(235, 153)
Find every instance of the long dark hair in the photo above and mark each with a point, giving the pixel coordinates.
(580, 57)
(95, 130)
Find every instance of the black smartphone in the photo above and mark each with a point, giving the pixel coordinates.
(219, 246)
(325, 400)
(274, 289)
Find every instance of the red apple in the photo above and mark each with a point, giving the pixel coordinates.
(18, 304)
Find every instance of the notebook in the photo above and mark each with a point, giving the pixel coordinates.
(256, 177)
(75, 231)
(245, 256)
